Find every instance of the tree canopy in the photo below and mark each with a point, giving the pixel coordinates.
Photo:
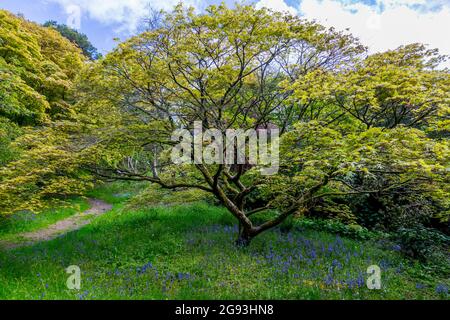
(351, 125)
(37, 70)
(80, 39)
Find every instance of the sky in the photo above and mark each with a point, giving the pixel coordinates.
(380, 24)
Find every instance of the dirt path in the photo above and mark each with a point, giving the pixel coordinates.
(72, 223)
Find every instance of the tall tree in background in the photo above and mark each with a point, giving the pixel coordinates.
(80, 39)
(37, 70)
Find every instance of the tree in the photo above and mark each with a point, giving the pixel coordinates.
(402, 88)
(238, 68)
(80, 39)
(37, 69)
(228, 69)
(222, 68)
(397, 87)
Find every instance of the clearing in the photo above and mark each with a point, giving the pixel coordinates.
(75, 222)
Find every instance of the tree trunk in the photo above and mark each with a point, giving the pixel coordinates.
(244, 238)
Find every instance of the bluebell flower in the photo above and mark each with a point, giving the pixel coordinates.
(420, 286)
(350, 283)
(336, 264)
(441, 289)
(384, 264)
(330, 249)
(360, 280)
(290, 238)
(181, 276)
(83, 295)
(145, 267)
(329, 280)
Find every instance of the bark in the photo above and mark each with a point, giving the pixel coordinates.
(244, 238)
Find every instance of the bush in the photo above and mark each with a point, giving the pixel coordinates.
(336, 227)
(389, 212)
(420, 242)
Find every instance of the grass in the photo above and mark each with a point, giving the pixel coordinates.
(187, 252)
(117, 192)
(26, 221)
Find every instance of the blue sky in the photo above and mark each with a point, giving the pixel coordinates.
(101, 34)
(380, 24)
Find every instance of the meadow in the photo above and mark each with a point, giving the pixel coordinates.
(187, 251)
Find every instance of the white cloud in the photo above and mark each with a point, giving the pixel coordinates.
(385, 25)
(388, 24)
(277, 5)
(127, 14)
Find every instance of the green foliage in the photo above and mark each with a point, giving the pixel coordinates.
(397, 87)
(80, 39)
(116, 192)
(8, 132)
(37, 67)
(423, 243)
(336, 227)
(389, 212)
(45, 171)
(332, 209)
(155, 195)
(388, 159)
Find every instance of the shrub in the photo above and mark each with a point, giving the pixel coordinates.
(391, 211)
(336, 227)
(420, 242)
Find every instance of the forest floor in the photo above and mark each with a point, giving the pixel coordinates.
(187, 251)
(61, 227)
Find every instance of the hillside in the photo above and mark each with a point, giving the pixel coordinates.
(186, 252)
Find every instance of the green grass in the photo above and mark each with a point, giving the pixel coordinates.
(117, 192)
(187, 252)
(11, 227)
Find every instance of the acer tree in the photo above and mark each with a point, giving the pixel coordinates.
(245, 68)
